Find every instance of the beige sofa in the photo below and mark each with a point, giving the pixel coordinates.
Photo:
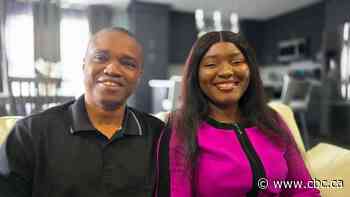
(6, 123)
(325, 161)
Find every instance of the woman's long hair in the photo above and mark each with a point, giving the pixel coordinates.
(194, 105)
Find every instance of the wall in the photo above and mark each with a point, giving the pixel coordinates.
(337, 12)
(307, 22)
(150, 24)
(182, 35)
(253, 31)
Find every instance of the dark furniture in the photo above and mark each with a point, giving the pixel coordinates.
(31, 95)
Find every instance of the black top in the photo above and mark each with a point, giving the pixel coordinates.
(59, 153)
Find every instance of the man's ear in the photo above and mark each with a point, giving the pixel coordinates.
(141, 71)
(140, 77)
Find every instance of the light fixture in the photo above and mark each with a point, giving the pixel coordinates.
(200, 23)
(218, 22)
(234, 22)
(345, 64)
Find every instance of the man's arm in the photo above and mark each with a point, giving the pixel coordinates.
(17, 162)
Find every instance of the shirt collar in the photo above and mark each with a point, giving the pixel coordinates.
(80, 120)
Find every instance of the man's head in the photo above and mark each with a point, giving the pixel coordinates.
(112, 68)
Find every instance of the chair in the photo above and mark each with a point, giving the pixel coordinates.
(6, 124)
(324, 161)
(296, 94)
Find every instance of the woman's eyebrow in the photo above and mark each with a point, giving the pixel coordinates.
(236, 56)
(214, 57)
(231, 55)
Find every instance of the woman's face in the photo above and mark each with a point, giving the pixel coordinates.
(224, 74)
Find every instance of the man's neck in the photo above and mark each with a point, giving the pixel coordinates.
(105, 121)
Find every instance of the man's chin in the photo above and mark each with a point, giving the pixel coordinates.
(111, 105)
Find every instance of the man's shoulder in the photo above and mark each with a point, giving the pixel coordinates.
(53, 113)
(147, 118)
(34, 125)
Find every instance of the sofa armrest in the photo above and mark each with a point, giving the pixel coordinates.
(288, 117)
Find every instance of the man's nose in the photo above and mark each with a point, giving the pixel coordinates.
(113, 69)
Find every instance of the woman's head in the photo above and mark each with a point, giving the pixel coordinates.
(201, 86)
(223, 75)
(221, 68)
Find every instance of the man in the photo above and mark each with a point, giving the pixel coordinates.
(95, 146)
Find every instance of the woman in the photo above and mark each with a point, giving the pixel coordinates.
(224, 140)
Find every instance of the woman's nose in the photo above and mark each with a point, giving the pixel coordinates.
(226, 70)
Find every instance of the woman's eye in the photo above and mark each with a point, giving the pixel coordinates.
(235, 61)
(210, 65)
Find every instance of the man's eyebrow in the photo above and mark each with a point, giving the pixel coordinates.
(125, 56)
(100, 51)
(93, 51)
(130, 57)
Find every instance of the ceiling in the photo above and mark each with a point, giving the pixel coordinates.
(255, 9)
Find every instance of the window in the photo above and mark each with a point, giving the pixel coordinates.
(20, 45)
(74, 39)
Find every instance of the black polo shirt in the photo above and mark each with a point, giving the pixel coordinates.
(59, 153)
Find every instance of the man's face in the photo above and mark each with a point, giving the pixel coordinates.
(112, 69)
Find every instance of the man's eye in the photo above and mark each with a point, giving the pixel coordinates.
(100, 58)
(128, 63)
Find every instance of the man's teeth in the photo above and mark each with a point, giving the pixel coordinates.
(109, 83)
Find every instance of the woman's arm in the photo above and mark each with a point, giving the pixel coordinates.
(180, 184)
(297, 171)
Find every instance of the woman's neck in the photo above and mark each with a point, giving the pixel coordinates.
(225, 114)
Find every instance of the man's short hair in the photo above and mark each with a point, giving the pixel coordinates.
(111, 29)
